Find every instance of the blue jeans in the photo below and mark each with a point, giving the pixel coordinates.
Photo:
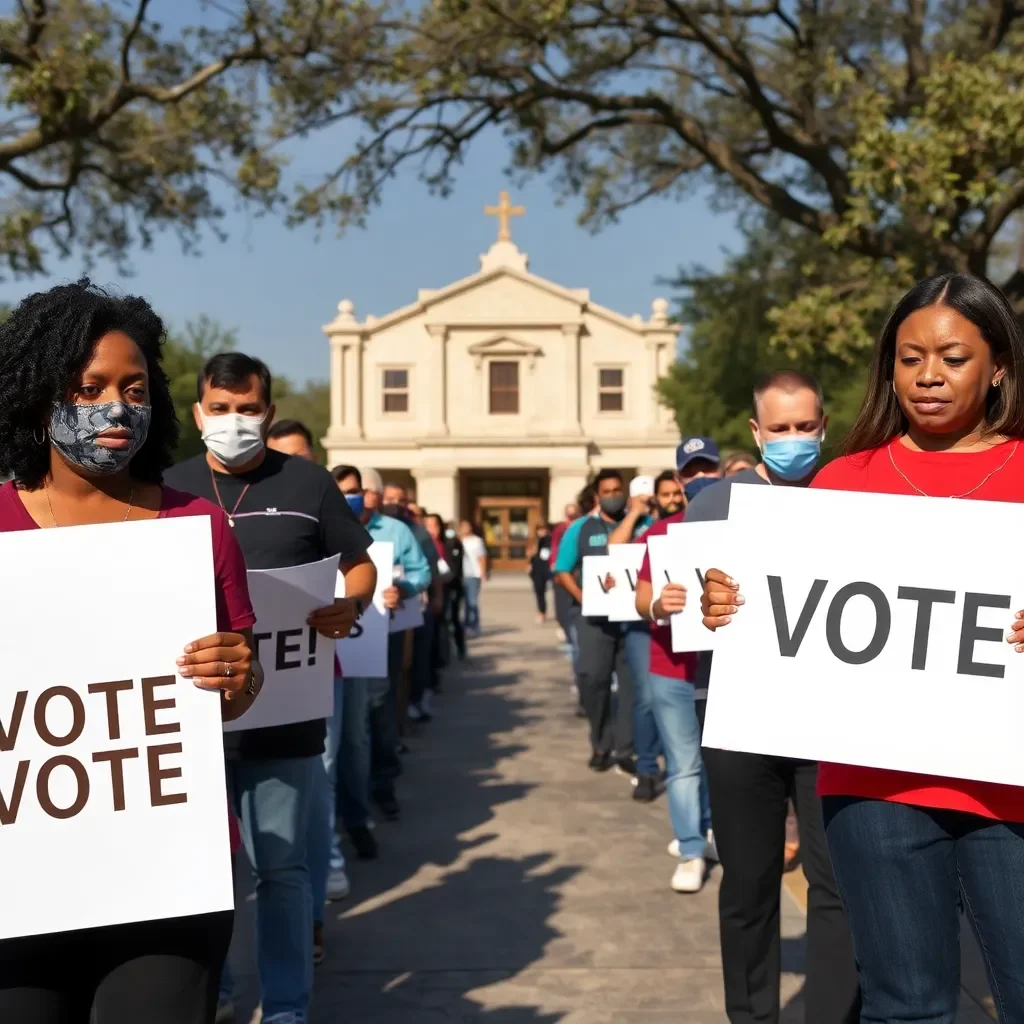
(273, 800)
(901, 871)
(645, 728)
(689, 808)
(471, 593)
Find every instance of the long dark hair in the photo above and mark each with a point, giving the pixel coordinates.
(44, 345)
(881, 418)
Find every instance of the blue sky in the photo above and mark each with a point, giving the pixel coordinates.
(278, 286)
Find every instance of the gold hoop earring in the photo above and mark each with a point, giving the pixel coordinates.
(997, 382)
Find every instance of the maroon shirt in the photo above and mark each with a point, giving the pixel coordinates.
(665, 661)
(234, 609)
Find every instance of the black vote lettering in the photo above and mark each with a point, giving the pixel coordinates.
(789, 643)
(925, 598)
(883, 623)
(357, 631)
(971, 633)
(284, 649)
(600, 583)
(700, 577)
(632, 580)
(256, 639)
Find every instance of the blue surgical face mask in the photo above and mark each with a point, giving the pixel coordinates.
(792, 458)
(356, 503)
(74, 428)
(697, 484)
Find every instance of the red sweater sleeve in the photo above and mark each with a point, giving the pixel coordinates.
(234, 609)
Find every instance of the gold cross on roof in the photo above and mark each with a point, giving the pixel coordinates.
(503, 211)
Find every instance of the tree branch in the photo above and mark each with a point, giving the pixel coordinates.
(129, 39)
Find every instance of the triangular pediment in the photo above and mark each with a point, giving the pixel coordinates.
(504, 345)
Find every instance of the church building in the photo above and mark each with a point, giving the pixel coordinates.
(497, 397)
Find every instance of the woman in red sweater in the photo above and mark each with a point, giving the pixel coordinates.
(943, 417)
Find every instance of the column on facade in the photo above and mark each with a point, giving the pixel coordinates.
(563, 486)
(571, 334)
(337, 386)
(437, 381)
(437, 490)
(662, 337)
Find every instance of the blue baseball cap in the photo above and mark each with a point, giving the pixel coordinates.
(696, 448)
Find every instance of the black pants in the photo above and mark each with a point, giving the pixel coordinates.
(385, 766)
(540, 592)
(749, 794)
(563, 609)
(160, 972)
(455, 618)
(602, 647)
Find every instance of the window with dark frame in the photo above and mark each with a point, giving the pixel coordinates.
(396, 390)
(611, 390)
(504, 388)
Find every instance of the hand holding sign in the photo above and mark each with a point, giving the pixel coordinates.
(221, 661)
(671, 601)
(720, 599)
(609, 582)
(334, 620)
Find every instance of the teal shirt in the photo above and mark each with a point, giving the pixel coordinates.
(408, 553)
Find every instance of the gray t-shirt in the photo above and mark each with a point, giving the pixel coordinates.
(711, 505)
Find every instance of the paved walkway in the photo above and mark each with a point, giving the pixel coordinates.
(518, 887)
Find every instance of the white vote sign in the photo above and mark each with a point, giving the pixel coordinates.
(873, 633)
(409, 614)
(364, 653)
(297, 660)
(598, 600)
(107, 756)
(626, 562)
(693, 549)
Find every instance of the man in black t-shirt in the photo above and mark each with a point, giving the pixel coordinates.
(285, 511)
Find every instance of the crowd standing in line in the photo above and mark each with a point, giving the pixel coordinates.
(87, 432)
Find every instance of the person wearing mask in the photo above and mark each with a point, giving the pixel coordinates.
(643, 512)
(410, 704)
(292, 437)
(87, 428)
(540, 569)
(673, 695)
(442, 638)
(453, 611)
(474, 572)
(327, 875)
(698, 457)
(750, 792)
(412, 578)
(284, 511)
(602, 645)
(943, 417)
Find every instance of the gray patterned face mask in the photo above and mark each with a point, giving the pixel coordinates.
(74, 428)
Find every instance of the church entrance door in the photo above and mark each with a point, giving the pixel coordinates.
(508, 524)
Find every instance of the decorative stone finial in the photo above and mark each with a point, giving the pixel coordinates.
(346, 309)
(503, 254)
(659, 311)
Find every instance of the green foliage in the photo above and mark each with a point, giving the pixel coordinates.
(310, 404)
(185, 354)
(730, 341)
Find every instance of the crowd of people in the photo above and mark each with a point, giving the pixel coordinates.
(87, 434)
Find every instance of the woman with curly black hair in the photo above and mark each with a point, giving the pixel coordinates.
(87, 428)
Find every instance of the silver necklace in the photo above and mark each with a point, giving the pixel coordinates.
(53, 518)
(984, 481)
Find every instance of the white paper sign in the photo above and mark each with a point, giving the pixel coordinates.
(409, 614)
(693, 549)
(364, 653)
(598, 600)
(626, 562)
(872, 633)
(108, 758)
(298, 661)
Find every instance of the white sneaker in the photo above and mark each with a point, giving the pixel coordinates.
(710, 849)
(337, 884)
(673, 849)
(689, 875)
